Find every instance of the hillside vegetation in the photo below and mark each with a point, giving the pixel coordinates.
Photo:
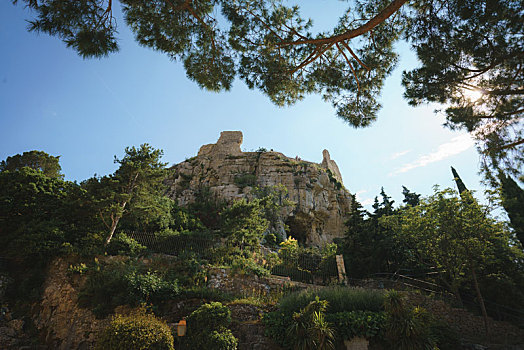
(130, 246)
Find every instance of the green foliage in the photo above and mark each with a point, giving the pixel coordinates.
(445, 336)
(248, 266)
(221, 340)
(40, 216)
(460, 184)
(335, 300)
(80, 268)
(121, 244)
(365, 324)
(333, 180)
(243, 223)
(407, 329)
(466, 48)
(207, 208)
(339, 299)
(513, 202)
(37, 160)
(139, 331)
(261, 42)
(125, 283)
(289, 252)
(207, 328)
(136, 186)
(244, 180)
(370, 247)
(410, 198)
(449, 232)
(308, 328)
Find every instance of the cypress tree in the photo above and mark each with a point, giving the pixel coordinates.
(460, 185)
(513, 203)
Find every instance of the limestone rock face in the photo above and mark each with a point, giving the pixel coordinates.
(322, 204)
(330, 165)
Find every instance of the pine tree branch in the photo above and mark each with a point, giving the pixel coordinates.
(505, 92)
(378, 19)
(510, 145)
(355, 56)
(350, 65)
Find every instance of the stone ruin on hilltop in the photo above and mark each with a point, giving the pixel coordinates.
(322, 203)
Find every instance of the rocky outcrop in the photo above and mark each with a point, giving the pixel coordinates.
(322, 204)
(61, 322)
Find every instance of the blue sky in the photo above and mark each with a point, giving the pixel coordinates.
(87, 111)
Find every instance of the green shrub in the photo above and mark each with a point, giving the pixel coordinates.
(207, 328)
(309, 329)
(339, 299)
(274, 322)
(121, 244)
(350, 324)
(221, 340)
(208, 317)
(244, 180)
(124, 283)
(139, 331)
(446, 337)
(248, 266)
(406, 328)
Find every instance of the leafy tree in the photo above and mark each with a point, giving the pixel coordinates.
(37, 160)
(370, 247)
(513, 202)
(265, 43)
(40, 216)
(453, 234)
(410, 198)
(207, 208)
(274, 201)
(244, 223)
(137, 184)
(472, 57)
(385, 207)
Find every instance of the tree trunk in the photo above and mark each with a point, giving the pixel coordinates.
(481, 300)
(114, 224)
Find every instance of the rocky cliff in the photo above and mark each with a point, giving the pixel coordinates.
(322, 204)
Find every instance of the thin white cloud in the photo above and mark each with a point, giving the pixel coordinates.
(399, 154)
(361, 200)
(455, 146)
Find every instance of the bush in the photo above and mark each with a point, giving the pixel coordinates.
(309, 329)
(207, 328)
(138, 331)
(339, 298)
(121, 244)
(124, 283)
(350, 324)
(406, 328)
(208, 317)
(223, 340)
(248, 266)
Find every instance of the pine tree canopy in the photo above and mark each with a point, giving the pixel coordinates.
(37, 160)
(466, 47)
(472, 55)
